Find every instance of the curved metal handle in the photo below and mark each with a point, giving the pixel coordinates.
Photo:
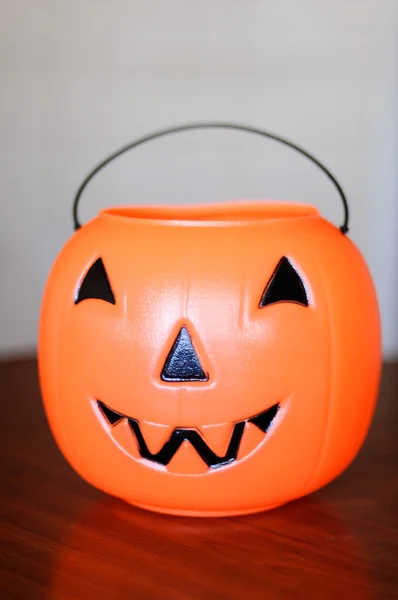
(209, 125)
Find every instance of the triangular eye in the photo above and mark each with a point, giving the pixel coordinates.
(285, 285)
(96, 284)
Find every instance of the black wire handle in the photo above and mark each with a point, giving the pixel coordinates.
(209, 125)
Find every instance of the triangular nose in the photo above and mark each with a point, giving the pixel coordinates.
(182, 363)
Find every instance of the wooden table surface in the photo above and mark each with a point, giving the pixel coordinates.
(60, 538)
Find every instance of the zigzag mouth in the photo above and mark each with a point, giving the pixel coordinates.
(179, 435)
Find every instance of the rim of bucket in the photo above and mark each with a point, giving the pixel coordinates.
(227, 212)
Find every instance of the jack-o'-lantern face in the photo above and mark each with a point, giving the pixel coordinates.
(183, 366)
(194, 365)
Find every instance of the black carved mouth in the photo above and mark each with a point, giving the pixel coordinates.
(180, 434)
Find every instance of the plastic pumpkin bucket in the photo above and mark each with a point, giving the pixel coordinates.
(209, 360)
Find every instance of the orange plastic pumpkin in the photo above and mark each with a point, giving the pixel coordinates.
(209, 360)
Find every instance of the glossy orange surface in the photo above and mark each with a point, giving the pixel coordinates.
(205, 268)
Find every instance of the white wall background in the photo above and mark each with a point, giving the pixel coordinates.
(80, 78)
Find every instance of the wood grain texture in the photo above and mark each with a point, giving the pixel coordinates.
(62, 539)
